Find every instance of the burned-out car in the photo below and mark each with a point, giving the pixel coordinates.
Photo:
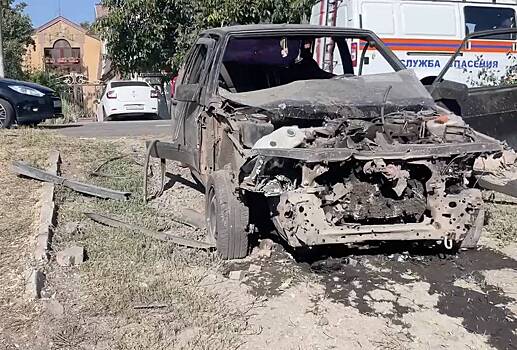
(328, 155)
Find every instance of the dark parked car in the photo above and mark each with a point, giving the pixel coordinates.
(27, 103)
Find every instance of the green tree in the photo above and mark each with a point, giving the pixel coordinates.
(152, 35)
(142, 35)
(216, 13)
(17, 31)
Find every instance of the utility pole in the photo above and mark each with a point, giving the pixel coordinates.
(3, 4)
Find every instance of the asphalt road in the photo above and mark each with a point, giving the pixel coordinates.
(157, 129)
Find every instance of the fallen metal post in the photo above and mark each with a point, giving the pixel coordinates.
(27, 170)
(111, 222)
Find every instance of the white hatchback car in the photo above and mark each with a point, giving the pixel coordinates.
(127, 97)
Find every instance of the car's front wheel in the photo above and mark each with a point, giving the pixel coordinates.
(6, 114)
(227, 217)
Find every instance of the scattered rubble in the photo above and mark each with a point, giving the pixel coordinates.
(286, 284)
(237, 275)
(323, 321)
(72, 256)
(254, 268)
(70, 228)
(266, 244)
(55, 308)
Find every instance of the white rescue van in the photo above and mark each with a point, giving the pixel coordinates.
(423, 34)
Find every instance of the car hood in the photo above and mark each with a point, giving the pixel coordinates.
(361, 96)
(38, 87)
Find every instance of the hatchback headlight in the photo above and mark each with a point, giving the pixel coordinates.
(26, 90)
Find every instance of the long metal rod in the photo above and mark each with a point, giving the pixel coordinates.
(166, 237)
(23, 169)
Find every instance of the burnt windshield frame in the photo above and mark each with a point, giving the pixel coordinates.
(342, 33)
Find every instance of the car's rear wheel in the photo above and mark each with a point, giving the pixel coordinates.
(6, 114)
(227, 217)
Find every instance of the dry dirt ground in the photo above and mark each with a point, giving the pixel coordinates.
(390, 296)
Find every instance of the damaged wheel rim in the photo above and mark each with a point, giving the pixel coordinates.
(211, 217)
(3, 115)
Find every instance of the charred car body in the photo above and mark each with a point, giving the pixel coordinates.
(329, 158)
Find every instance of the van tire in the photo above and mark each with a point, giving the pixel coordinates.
(227, 217)
(7, 114)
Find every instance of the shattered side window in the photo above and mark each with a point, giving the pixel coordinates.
(196, 69)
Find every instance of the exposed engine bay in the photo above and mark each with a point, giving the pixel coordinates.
(352, 174)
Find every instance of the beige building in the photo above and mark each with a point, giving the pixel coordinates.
(65, 47)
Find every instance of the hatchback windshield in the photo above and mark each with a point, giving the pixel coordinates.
(255, 63)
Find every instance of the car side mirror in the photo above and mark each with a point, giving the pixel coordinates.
(187, 92)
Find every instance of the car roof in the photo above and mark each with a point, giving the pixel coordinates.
(291, 28)
(127, 81)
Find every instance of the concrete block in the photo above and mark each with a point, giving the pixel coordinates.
(237, 275)
(34, 284)
(71, 256)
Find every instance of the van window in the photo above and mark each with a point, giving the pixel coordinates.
(421, 19)
(478, 18)
(379, 17)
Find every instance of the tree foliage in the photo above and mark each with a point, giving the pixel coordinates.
(153, 35)
(17, 31)
(216, 13)
(142, 35)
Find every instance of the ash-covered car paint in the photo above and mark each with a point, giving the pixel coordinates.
(360, 175)
(327, 158)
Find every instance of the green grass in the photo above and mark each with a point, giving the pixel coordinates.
(124, 268)
(502, 222)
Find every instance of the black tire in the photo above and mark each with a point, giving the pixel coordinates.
(7, 115)
(227, 217)
(34, 124)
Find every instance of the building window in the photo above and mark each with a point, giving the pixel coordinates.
(62, 53)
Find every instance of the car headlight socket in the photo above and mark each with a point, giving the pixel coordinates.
(25, 90)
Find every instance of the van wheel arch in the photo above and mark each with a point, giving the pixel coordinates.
(428, 80)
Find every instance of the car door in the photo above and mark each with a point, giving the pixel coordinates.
(490, 109)
(189, 100)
